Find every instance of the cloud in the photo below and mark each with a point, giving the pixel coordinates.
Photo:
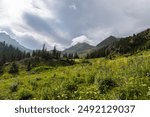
(81, 39)
(73, 6)
(36, 22)
(61, 22)
(29, 44)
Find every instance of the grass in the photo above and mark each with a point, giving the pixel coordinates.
(123, 78)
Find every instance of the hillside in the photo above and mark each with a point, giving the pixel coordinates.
(107, 42)
(125, 78)
(8, 53)
(79, 47)
(10, 41)
(129, 45)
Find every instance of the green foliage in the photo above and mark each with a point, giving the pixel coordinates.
(86, 61)
(13, 87)
(90, 79)
(132, 93)
(29, 66)
(129, 45)
(54, 77)
(97, 79)
(25, 94)
(70, 86)
(41, 69)
(14, 68)
(106, 85)
(8, 53)
(1, 70)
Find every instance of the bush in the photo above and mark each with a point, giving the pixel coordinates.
(46, 93)
(70, 86)
(106, 85)
(34, 84)
(13, 87)
(40, 69)
(130, 94)
(25, 94)
(86, 62)
(78, 80)
(14, 68)
(90, 79)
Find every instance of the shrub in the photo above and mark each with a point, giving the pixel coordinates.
(90, 79)
(70, 86)
(13, 87)
(86, 61)
(45, 93)
(14, 68)
(34, 84)
(25, 94)
(106, 85)
(41, 69)
(78, 80)
(130, 94)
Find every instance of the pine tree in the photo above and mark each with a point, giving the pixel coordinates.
(65, 55)
(70, 56)
(76, 56)
(1, 69)
(29, 66)
(54, 52)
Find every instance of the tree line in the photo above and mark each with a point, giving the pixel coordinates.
(8, 53)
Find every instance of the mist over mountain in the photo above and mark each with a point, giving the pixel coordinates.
(8, 40)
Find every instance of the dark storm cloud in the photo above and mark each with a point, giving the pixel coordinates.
(30, 42)
(46, 27)
(37, 23)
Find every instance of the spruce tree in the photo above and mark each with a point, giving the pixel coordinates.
(76, 56)
(29, 66)
(1, 69)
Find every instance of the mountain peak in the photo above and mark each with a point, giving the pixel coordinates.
(79, 47)
(10, 41)
(107, 41)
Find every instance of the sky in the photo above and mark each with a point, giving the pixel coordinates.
(63, 23)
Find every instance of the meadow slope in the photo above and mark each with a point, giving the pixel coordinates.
(118, 79)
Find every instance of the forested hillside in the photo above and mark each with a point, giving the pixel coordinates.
(129, 45)
(8, 53)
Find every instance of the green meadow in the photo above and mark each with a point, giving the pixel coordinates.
(122, 78)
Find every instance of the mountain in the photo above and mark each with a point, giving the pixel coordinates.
(79, 48)
(128, 45)
(8, 53)
(8, 40)
(107, 41)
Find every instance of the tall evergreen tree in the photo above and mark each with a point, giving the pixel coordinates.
(29, 66)
(76, 56)
(1, 69)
